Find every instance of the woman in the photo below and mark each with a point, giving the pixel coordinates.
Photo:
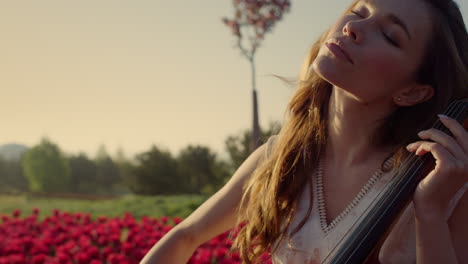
(374, 80)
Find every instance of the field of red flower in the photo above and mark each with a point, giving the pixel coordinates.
(66, 238)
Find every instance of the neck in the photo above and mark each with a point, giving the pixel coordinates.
(350, 126)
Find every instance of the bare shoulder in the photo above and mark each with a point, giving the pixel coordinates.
(459, 228)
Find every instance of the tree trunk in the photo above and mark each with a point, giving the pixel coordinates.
(255, 143)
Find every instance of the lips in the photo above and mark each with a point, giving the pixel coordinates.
(338, 46)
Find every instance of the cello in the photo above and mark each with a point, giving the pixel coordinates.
(373, 226)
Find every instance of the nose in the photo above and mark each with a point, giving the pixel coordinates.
(352, 30)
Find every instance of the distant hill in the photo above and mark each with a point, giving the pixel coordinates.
(12, 151)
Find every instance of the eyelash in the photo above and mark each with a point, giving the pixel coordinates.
(386, 37)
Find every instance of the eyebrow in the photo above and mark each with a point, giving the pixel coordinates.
(392, 17)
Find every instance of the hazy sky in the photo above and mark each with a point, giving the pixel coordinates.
(131, 74)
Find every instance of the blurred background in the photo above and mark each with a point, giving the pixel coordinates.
(103, 99)
(119, 116)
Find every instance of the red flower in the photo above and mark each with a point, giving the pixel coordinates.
(17, 259)
(220, 252)
(82, 258)
(177, 220)
(127, 248)
(5, 218)
(68, 241)
(16, 213)
(56, 212)
(93, 252)
(36, 211)
(39, 259)
(164, 219)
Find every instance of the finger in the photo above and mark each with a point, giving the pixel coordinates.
(439, 152)
(442, 156)
(445, 162)
(444, 139)
(457, 130)
(414, 146)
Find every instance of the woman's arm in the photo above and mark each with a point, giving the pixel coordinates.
(458, 224)
(444, 241)
(434, 242)
(215, 216)
(174, 247)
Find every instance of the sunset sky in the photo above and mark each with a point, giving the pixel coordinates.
(130, 74)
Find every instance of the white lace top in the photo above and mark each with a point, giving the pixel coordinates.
(315, 240)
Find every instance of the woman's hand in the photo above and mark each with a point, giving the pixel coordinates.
(433, 194)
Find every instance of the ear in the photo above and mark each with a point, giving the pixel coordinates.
(413, 95)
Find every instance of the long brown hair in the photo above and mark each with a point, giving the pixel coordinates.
(274, 188)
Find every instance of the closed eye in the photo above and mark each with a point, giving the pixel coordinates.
(356, 13)
(391, 41)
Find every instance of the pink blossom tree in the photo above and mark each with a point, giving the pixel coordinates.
(252, 20)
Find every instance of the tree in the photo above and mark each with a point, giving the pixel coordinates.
(46, 168)
(11, 176)
(83, 174)
(107, 172)
(125, 171)
(259, 16)
(238, 146)
(224, 173)
(198, 165)
(156, 174)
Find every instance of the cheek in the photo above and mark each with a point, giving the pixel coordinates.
(380, 71)
(385, 66)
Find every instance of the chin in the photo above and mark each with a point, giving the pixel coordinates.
(327, 70)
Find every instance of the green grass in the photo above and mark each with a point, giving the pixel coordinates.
(138, 206)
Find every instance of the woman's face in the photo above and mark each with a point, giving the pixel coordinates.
(384, 41)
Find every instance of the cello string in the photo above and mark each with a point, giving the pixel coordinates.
(405, 181)
(361, 216)
(392, 198)
(409, 180)
(381, 215)
(359, 220)
(404, 166)
(386, 202)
